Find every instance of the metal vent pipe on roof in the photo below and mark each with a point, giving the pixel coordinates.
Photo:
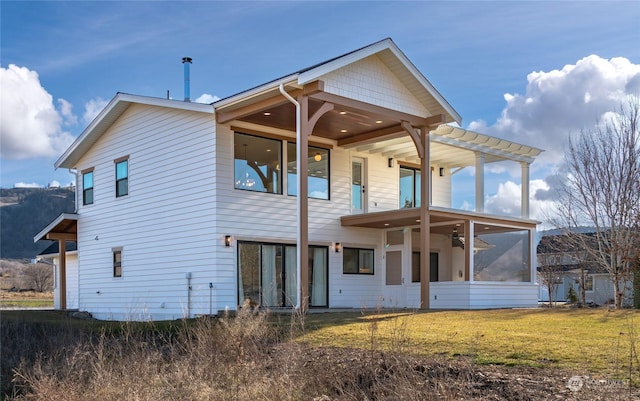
(187, 79)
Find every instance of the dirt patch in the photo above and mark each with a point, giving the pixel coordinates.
(383, 376)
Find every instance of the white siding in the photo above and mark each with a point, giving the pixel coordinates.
(71, 281)
(369, 80)
(163, 225)
(457, 295)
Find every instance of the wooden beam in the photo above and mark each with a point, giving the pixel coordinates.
(325, 108)
(435, 120)
(62, 236)
(223, 117)
(226, 116)
(389, 114)
(415, 138)
(378, 135)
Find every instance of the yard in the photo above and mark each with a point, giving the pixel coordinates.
(570, 354)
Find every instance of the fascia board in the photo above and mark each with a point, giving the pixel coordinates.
(253, 92)
(315, 73)
(387, 44)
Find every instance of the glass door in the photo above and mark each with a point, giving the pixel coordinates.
(358, 189)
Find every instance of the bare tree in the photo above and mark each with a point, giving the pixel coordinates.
(601, 191)
(550, 265)
(38, 276)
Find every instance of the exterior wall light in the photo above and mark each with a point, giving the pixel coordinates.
(227, 240)
(441, 171)
(391, 162)
(337, 247)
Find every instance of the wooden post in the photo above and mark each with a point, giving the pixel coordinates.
(425, 244)
(63, 273)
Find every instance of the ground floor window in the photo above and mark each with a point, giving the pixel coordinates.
(433, 267)
(267, 274)
(502, 257)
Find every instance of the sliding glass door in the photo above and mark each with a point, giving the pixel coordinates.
(267, 275)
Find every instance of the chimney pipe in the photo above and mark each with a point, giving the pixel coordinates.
(187, 80)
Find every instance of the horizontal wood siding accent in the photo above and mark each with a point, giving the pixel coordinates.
(457, 295)
(369, 80)
(164, 225)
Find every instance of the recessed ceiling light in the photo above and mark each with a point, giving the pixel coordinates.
(386, 224)
(378, 121)
(266, 113)
(343, 113)
(343, 130)
(417, 220)
(268, 150)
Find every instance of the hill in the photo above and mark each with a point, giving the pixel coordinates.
(26, 211)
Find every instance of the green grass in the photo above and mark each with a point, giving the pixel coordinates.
(27, 303)
(597, 340)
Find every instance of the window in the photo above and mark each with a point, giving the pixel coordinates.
(117, 262)
(409, 187)
(87, 187)
(588, 283)
(122, 177)
(357, 261)
(433, 267)
(318, 172)
(257, 163)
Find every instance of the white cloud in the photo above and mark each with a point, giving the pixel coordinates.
(26, 185)
(207, 98)
(507, 200)
(92, 108)
(560, 102)
(30, 125)
(66, 110)
(54, 184)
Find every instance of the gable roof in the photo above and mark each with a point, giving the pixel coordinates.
(387, 51)
(110, 114)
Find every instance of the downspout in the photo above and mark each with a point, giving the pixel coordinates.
(75, 178)
(298, 198)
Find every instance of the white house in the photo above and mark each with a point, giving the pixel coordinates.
(312, 190)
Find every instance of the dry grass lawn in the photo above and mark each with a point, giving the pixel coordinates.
(599, 340)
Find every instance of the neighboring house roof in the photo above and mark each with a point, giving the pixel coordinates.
(110, 114)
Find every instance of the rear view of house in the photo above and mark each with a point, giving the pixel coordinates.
(329, 187)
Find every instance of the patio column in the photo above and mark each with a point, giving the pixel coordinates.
(422, 143)
(468, 250)
(524, 166)
(305, 129)
(425, 225)
(479, 182)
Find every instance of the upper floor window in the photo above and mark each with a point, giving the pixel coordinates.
(122, 176)
(87, 187)
(257, 163)
(409, 187)
(318, 172)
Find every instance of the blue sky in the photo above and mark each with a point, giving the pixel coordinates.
(511, 69)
